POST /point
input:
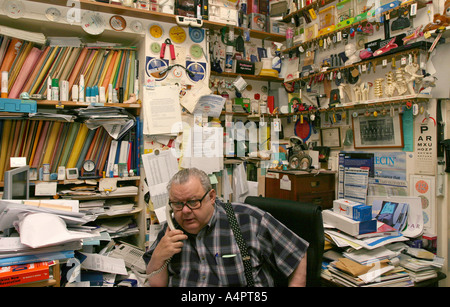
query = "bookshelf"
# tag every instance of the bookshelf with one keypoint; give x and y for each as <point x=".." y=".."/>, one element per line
<point x="69" y="63"/>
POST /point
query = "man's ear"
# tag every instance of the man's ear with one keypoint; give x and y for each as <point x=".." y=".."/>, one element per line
<point x="212" y="195"/>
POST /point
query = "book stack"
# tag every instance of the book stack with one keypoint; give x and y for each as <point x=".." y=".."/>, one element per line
<point x="20" y="274"/>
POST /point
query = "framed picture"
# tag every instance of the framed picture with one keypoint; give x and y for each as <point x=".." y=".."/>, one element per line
<point x="324" y="153"/>
<point x="331" y="137"/>
<point x="378" y="132"/>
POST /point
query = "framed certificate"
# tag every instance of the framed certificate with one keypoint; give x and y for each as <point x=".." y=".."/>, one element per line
<point x="331" y="137"/>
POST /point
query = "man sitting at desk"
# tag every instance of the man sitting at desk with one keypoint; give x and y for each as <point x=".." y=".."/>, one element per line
<point x="203" y="250"/>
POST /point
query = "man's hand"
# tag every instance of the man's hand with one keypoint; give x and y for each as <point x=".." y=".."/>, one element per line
<point x="170" y="244"/>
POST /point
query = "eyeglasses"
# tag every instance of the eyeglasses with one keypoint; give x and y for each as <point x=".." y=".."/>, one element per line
<point x="192" y="204"/>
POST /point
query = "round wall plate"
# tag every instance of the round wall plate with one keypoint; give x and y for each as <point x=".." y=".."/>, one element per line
<point x="197" y="35"/>
<point x="156" y="31"/>
<point x="14" y="9"/>
<point x="154" y="66"/>
<point x="53" y="14"/>
<point x="177" y="34"/>
<point x="198" y="69"/>
<point x="155" y="47"/>
<point x="196" y="51"/>
<point x="118" y="23"/>
<point x="136" y="26"/>
<point x="93" y="23"/>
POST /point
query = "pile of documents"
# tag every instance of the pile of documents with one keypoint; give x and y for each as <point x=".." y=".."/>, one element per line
<point x="374" y="250"/>
<point x="117" y="121"/>
<point x="47" y="230"/>
<point x="45" y="234"/>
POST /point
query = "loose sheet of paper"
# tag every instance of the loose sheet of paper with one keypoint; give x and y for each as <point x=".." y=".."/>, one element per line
<point x="162" y="110"/>
<point x="159" y="167"/>
<point x="106" y="264"/>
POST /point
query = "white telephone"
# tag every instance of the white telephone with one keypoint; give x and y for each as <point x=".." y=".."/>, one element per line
<point x="169" y="217"/>
<point x="131" y="255"/>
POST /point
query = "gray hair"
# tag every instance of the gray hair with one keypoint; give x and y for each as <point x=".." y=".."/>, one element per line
<point x="184" y="175"/>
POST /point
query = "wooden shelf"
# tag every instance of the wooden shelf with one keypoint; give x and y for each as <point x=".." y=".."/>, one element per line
<point x="155" y="16"/>
<point x="353" y="25"/>
<point x="250" y="77"/>
<point x="322" y="3"/>
<point x="72" y="104"/>
<point x="414" y="48"/>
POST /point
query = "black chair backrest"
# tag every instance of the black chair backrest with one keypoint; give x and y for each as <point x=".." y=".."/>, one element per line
<point x="304" y="219"/>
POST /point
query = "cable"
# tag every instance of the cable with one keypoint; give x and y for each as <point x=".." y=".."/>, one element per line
<point x="190" y="73"/>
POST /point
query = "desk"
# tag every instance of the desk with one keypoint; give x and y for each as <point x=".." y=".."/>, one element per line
<point x="317" y="187"/>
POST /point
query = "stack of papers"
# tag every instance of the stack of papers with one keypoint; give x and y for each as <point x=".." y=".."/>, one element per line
<point x="43" y="231"/>
<point x="116" y="121"/>
<point x="397" y="222"/>
<point x="119" y="227"/>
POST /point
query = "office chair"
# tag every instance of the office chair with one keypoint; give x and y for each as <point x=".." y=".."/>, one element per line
<point x="304" y="219"/>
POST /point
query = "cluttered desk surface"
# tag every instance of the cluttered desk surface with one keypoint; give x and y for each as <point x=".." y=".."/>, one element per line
<point x="378" y="245"/>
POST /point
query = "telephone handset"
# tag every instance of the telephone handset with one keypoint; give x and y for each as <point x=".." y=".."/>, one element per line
<point x="169" y="217"/>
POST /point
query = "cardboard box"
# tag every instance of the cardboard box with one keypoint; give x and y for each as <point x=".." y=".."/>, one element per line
<point x="351" y="209"/>
<point x="23" y="273"/>
<point x="347" y="225"/>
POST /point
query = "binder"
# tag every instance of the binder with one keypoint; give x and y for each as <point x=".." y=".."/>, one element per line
<point x="77" y="146"/>
<point x="59" y="139"/>
<point x="25" y="71"/>
<point x="7" y="125"/>
<point x="113" y="64"/>
<point x="40" y="145"/>
<point x="86" y="144"/>
<point x="36" y="70"/>
<point x="22" y="136"/>
<point x="16" y="132"/>
<point x="68" y="146"/>
<point x="70" y="64"/>
<point x="17" y="65"/>
<point x="111" y="158"/>
<point x="35" y="88"/>
<point x="51" y="143"/>
<point x="103" y="154"/>
<point x="30" y="139"/>
<point x="74" y="75"/>
<point x="40" y="157"/>
<point x="61" y="144"/>
<point x="36" y="141"/>
<point x="11" y="54"/>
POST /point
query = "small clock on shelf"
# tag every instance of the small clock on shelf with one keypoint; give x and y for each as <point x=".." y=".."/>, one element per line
<point x="89" y="169"/>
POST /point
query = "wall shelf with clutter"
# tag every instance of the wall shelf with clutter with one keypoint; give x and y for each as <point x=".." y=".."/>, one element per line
<point x="390" y="57"/>
<point x="250" y="77"/>
<point x="362" y="23"/>
<point x="157" y="16"/>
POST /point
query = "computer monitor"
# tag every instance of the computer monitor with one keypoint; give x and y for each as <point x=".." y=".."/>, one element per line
<point x="17" y="183"/>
